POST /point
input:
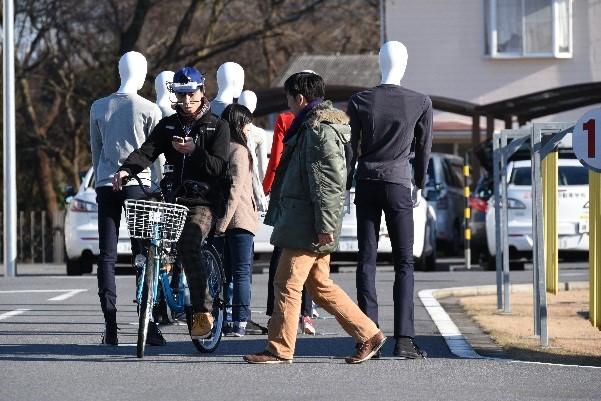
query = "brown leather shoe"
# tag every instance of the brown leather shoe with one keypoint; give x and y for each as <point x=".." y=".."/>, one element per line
<point x="265" y="357"/>
<point x="368" y="349"/>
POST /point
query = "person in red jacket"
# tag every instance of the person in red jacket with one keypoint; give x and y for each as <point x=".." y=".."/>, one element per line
<point x="282" y="123"/>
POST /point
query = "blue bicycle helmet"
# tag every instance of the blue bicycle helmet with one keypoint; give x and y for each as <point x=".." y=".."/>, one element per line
<point x="186" y="80"/>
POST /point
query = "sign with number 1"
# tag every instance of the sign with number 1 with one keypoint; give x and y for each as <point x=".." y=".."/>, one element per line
<point x="586" y="140"/>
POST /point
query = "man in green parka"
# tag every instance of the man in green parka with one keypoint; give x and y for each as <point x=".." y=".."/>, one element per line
<point x="306" y="210"/>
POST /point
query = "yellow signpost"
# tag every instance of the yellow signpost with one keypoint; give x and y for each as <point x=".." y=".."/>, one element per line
<point x="549" y="174"/>
<point x="586" y="141"/>
<point x="595" y="248"/>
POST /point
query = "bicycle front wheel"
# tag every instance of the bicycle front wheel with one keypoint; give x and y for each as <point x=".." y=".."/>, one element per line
<point x="146" y="301"/>
<point x="216" y="291"/>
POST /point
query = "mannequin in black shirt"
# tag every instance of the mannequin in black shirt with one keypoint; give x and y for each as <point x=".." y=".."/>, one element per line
<point x="389" y="122"/>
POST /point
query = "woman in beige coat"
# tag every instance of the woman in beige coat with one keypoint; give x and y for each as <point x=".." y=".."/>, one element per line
<point x="240" y="222"/>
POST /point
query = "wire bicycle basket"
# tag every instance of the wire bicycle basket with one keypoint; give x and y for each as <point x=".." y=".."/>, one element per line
<point x="143" y="216"/>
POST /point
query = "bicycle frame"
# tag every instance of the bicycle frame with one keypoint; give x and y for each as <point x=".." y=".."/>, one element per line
<point x="160" y="223"/>
<point x="176" y="304"/>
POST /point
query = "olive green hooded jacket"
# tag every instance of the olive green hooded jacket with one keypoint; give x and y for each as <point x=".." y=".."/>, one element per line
<point x="307" y="195"/>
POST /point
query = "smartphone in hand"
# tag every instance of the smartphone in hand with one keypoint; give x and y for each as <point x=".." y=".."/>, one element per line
<point x="178" y="139"/>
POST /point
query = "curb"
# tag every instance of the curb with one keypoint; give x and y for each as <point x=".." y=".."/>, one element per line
<point x="457" y="343"/>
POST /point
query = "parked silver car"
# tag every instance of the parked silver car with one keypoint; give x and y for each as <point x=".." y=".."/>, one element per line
<point x="444" y="191"/>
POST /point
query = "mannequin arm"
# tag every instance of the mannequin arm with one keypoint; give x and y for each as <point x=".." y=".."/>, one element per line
<point x="416" y="195"/>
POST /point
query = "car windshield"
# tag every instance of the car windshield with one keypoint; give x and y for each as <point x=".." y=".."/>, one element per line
<point x="567" y="175"/>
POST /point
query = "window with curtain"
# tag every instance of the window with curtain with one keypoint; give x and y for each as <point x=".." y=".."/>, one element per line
<point x="528" y="28"/>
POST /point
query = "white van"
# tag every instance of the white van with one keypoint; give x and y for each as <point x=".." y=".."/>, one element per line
<point x="573" y="207"/>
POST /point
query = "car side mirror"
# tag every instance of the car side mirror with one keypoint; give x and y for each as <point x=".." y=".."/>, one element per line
<point x="435" y="192"/>
<point x="69" y="192"/>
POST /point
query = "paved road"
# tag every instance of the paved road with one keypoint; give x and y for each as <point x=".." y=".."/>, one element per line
<point x="50" y="329"/>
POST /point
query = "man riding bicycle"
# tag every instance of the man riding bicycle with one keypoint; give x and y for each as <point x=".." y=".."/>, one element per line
<point x="196" y="143"/>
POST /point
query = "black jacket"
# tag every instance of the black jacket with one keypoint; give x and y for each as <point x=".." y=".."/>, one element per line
<point x="388" y="124"/>
<point x="206" y="164"/>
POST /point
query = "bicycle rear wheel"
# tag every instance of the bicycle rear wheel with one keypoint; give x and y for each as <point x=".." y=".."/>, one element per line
<point x="216" y="290"/>
<point x="146" y="302"/>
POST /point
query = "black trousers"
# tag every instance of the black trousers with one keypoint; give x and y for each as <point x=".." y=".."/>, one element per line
<point x="110" y="207"/>
<point x="371" y="198"/>
<point x="306" y="301"/>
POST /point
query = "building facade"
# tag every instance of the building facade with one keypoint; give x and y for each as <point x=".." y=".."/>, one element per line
<point x="485" y="51"/>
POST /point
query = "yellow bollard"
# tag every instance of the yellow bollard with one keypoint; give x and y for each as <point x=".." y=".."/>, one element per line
<point x="595" y="248"/>
<point x="549" y="175"/>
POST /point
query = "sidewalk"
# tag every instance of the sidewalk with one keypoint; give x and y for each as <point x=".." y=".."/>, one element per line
<point x="37" y="269"/>
<point x="572" y="338"/>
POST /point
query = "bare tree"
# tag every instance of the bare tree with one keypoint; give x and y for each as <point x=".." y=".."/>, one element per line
<point x="68" y="51"/>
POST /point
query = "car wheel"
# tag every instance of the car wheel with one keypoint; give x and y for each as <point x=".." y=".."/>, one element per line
<point x="452" y="247"/>
<point x="74" y="267"/>
<point x="427" y="262"/>
<point x="517" y="265"/>
<point x="420" y="263"/>
<point x="487" y="261"/>
<point x="431" y="259"/>
<point x="87" y="266"/>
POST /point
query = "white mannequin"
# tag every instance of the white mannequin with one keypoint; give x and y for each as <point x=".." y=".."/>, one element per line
<point x="165" y="103"/>
<point x="257" y="143"/>
<point x="119" y="124"/>
<point x="164" y="100"/>
<point x="258" y="135"/>
<point x="249" y="99"/>
<point x="230" y="80"/>
<point x="132" y="70"/>
<point x="393" y="62"/>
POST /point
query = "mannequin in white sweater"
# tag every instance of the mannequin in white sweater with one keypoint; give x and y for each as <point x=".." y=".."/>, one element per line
<point x="119" y="123"/>
<point x="257" y="143"/>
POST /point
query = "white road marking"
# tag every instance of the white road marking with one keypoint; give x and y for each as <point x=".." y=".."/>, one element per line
<point x="449" y="331"/>
<point x="13" y="313"/>
<point x="67" y="293"/>
<point x="457" y="342"/>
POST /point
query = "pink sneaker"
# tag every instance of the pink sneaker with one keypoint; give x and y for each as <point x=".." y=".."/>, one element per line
<point x="306" y="325"/>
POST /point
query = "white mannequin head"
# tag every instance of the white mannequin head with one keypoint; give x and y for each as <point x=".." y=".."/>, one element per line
<point x="249" y="99"/>
<point x="132" y="70"/>
<point x="230" y="80"/>
<point x="393" y="62"/>
<point x="160" y="86"/>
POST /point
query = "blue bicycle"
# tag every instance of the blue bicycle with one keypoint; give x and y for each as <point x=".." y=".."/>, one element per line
<point x="160" y="223"/>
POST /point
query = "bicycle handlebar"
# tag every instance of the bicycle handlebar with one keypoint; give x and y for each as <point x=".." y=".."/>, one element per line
<point x="128" y="178"/>
<point x="167" y="194"/>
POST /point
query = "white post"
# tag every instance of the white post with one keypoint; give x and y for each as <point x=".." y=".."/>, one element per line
<point x="10" y="187"/>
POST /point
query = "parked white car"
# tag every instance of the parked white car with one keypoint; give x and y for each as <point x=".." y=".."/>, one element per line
<point x="573" y="207"/>
<point x="424" y="246"/>
<point x="81" y="231"/>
